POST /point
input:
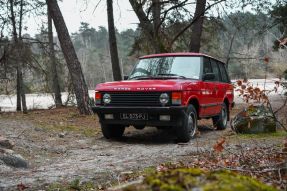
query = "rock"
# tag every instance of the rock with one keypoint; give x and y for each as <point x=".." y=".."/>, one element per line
<point x="127" y="185"/>
<point x="6" y="151"/>
<point x="126" y="172"/>
<point x="38" y="129"/>
<point x="13" y="160"/>
<point x="6" y="143"/>
<point x="4" y="168"/>
<point x="254" y="119"/>
<point x="194" y="180"/>
<point x="2" y="163"/>
<point x="61" y="135"/>
<point x="58" y="150"/>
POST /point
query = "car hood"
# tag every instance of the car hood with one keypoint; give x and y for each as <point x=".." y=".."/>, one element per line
<point x="147" y="85"/>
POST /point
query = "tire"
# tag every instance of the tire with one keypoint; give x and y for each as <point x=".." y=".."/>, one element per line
<point x="112" y="131"/>
<point x="189" y="126"/>
<point x="220" y="121"/>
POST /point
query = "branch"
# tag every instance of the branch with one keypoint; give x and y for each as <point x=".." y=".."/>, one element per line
<point x="282" y="106"/>
<point x="171" y="8"/>
<point x="144" y="20"/>
<point x="275" y="117"/>
<point x="192" y="22"/>
<point x="33" y="40"/>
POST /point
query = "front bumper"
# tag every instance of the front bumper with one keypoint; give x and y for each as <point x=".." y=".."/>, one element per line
<point x="175" y="112"/>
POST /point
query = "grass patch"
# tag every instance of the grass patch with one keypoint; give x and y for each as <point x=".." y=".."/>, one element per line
<point x="75" y="185"/>
<point x="59" y="120"/>
<point x="277" y="134"/>
<point x="86" y="131"/>
<point x="183" y="179"/>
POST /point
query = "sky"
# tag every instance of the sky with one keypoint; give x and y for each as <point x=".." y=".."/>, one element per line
<point x="77" y="11"/>
<point x="93" y="12"/>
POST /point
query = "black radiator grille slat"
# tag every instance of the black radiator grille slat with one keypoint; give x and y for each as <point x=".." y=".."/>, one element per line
<point x="135" y="98"/>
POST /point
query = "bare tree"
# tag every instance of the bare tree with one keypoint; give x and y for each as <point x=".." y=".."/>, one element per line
<point x="197" y="26"/>
<point x="53" y="63"/>
<point x="164" y="22"/>
<point x="150" y="27"/>
<point x="21" y="98"/>
<point x="113" y="43"/>
<point x="74" y="66"/>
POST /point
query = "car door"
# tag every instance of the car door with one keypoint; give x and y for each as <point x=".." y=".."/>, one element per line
<point x="208" y="90"/>
<point x="226" y="88"/>
<point x="217" y="86"/>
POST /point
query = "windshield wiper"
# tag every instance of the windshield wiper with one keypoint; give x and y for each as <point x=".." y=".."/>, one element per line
<point x="172" y="75"/>
<point x="141" y="77"/>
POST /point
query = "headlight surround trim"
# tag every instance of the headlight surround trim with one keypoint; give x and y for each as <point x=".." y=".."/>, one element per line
<point x="164" y="98"/>
<point x="107" y="98"/>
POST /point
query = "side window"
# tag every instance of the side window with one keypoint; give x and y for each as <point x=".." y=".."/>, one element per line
<point x="223" y="72"/>
<point x="206" y="66"/>
<point x="215" y="70"/>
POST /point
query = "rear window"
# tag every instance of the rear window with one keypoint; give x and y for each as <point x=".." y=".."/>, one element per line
<point x="215" y="70"/>
<point x="223" y="72"/>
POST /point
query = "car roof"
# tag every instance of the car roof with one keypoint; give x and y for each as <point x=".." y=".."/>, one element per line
<point x="177" y="54"/>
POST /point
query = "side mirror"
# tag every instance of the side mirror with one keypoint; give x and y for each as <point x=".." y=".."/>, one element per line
<point x="208" y="77"/>
<point x="126" y="77"/>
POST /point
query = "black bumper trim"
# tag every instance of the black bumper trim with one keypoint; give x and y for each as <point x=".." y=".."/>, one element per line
<point x="176" y="113"/>
<point x="164" y="110"/>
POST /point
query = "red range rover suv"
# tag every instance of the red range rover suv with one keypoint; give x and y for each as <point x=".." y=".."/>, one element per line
<point x="171" y="90"/>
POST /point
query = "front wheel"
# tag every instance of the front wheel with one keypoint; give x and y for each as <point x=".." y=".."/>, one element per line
<point x="220" y="121"/>
<point x="189" y="127"/>
<point x="112" y="131"/>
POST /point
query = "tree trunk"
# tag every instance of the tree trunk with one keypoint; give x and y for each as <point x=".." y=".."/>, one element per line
<point x="22" y="90"/>
<point x="194" y="45"/>
<point x="150" y="28"/>
<point x="113" y="43"/>
<point x="18" y="90"/>
<point x="156" y="8"/>
<point x="53" y="65"/>
<point x="21" y="98"/>
<point x="229" y="50"/>
<point x="74" y="66"/>
<point x="15" y="39"/>
<point x="20" y="58"/>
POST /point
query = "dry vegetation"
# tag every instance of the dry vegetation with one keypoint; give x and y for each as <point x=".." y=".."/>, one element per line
<point x="260" y="156"/>
<point x="59" y="120"/>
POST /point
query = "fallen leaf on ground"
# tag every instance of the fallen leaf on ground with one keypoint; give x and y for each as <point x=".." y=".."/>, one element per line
<point x="218" y="147"/>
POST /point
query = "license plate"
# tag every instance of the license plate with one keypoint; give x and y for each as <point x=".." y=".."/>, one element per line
<point x="134" y="116"/>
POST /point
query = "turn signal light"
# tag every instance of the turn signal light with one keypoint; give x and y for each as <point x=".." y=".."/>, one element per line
<point x="176" y="98"/>
<point x="98" y="98"/>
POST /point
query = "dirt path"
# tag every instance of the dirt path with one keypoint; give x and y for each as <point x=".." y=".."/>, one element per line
<point x="53" y="158"/>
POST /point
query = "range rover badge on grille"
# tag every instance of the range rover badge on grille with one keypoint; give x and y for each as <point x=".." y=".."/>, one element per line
<point x="146" y="89"/>
<point x="127" y="89"/>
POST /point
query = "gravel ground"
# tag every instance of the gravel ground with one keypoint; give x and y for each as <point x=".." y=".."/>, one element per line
<point x="55" y="158"/>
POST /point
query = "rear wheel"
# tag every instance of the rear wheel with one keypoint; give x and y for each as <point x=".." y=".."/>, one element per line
<point x="112" y="131"/>
<point x="220" y="121"/>
<point x="189" y="127"/>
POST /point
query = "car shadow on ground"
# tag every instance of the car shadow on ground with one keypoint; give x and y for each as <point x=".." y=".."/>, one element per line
<point x="154" y="136"/>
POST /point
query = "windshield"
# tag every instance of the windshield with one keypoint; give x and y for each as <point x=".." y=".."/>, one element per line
<point x="179" y="67"/>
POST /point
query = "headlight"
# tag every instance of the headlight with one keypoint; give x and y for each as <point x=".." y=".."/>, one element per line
<point x="98" y="98"/>
<point x="107" y="98"/>
<point x="163" y="98"/>
<point x="176" y="98"/>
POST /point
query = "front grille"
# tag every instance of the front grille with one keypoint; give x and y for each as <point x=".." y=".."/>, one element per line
<point x="135" y="98"/>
